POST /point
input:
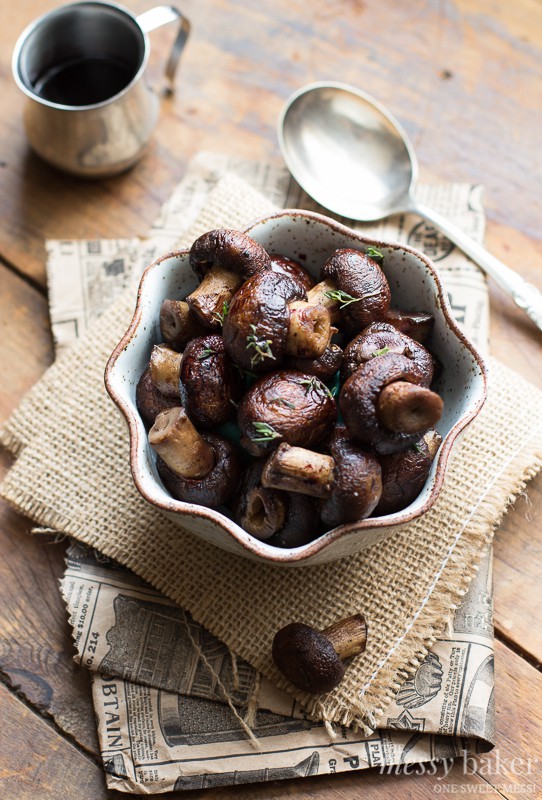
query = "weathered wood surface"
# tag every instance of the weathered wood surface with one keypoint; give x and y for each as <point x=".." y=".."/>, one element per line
<point x="465" y="81"/>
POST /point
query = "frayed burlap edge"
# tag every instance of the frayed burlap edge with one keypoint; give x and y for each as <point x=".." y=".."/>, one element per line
<point x="466" y="552"/>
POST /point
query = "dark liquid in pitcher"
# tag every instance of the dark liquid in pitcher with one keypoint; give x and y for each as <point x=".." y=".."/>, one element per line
<point x="83" y="82"/>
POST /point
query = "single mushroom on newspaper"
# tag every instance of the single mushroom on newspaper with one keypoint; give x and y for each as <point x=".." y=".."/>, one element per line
<point x="313" y="660"/>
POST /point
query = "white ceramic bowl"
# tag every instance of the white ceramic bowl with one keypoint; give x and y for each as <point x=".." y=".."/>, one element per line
<point x="309" y="238"/>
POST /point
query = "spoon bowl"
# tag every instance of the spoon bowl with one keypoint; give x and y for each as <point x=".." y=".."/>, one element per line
<point x="354" y="158"/>
<point x="347" y="152"/>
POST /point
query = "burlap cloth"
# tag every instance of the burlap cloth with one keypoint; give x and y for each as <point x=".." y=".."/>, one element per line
<point x="72" y="475"/>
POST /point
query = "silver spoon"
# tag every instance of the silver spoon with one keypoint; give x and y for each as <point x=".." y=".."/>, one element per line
<point x="353" y="157"/>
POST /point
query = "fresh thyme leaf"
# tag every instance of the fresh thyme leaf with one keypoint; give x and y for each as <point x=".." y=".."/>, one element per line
<point x="417" y="447"/>
<point x="262" y="347"/>
<point x="372" y="252"/>
<point x="220" y="316"/>
<point x="266" y="432"/>
<point x="206" y="353"/>
<point x="283" y="402"/>
<point x="381" y="352"/>
<point x="342" y="297"/>
<point x="315" y="384"/>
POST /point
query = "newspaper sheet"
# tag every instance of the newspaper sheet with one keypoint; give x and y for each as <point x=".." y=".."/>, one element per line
<point x="160" y="680"/>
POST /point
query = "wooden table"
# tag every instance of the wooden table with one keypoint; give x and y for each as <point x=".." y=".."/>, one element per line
<point x="465" y="79"/>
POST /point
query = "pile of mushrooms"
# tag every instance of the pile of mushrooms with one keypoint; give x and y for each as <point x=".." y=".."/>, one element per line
<point x="292" y="407"/>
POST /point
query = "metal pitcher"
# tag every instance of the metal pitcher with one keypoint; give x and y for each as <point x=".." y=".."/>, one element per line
<point x="90" y="109"/>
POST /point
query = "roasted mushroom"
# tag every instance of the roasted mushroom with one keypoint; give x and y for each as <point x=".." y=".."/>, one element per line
<point x="291" y="268"/>
<point x="283" y="519"/>
<point x="222" y="259"/>
<point x="324" y="367"/>
<point x="164" y="368"/>
<point x="353" y="283"/>
<point x="197" y="468"/>
<point x="381" y="338"/>
<point x="417" y="325"/>
<point x="386" y="406"/>
<point x="210" y="385"/>
<point x="285" y="406"/>
<point x="149" y="401"/>
<point x="312" y="660"/>
<point x="178" y="325"/>
<point x="405" y="473"/>
<point x="349" y="480"/>
<point x="270" y="318"/>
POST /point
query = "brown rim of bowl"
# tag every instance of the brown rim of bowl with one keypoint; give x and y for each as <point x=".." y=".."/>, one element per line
<point x="247" y="542"/>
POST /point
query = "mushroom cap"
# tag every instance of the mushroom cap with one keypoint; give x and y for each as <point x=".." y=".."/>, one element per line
<point x="215" y="488"/>
<point x="416" y="324"/>
<point x="292" y="269"/>
<point x="230" y="250"/>
<point x="357" y="482"/>
<point x="358" y="275"/>
<point x="383" y="336"/>
<point x="149" y="401"/>
<point x="324" y="367"/>
<point x="307" y="658"/>
<point x="302" y="524"/>
<point x="257" y="321"/>
<point x="209" y="383"/>
<point x="282" y="519"/>
<point x="297" y="408"/>
<point x="359" y="397"/>
<point x="403" y="477"/>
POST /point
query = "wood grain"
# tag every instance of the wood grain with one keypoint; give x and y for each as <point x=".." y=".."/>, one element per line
<point x="429" y="62"/>
<point x="25" y="339"/>
<point x="464" y="79"/>
<point x="37" y="762"/>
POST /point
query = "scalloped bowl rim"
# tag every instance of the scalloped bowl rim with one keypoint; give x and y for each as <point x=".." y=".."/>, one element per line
<point x="251" y="545"/>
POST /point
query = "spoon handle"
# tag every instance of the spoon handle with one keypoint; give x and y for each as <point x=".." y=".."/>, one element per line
<point x="524" y="294"/>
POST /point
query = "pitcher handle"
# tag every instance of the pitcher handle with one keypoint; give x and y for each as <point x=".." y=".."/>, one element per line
<point x="163" y="15"/>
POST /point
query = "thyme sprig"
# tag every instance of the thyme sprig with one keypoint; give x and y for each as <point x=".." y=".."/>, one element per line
<point x="283" y="402"/>
<point x="342" y="297"/>
<point x="381" y="352"/>
<point x="262" y="347"/>
<point x="266" y="432"/>
<point x="316" y="385"/>
<point x="220" y="316"/>
<point x="206" y="353"/>
<point x="375" y="254"/>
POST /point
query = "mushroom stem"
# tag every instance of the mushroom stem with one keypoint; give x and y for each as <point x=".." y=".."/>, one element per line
<point x="296" y="469"/>
<point x="165" y="368"/>
<point x="405" y="407"/>
<point x="265" y="513"/>
<point x="178" y="324"/>
<point x="309" y="330"/>
<point x="180" y="445"/>
<point x="348" y="636"/>
<point x="433" y="440"/>
<point x="317" y="296"/>
<point x="217" y="288"/>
